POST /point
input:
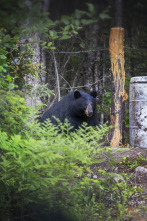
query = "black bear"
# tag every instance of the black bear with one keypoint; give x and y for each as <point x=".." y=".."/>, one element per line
<point x="77" y="107"/>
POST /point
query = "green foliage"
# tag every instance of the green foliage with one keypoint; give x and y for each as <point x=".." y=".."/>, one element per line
<point x="45" y="169"/>
<point x="107" y="98"/>
<point x="104" y="15"/>
<point x="13" y="112"/>
<point x="15" y="62"/>
<point x="68" y="26"/>
<point x="3" y="53"/>
<point x="104" y="107"/>
<point x="16" y="58"/>
<point x="133" y="163"/>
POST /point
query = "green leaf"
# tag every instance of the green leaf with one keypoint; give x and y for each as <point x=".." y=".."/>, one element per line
<point x="1" y="68"/>
<point x="67" y="27"/>
<point x="43" y="44"/>
<point x="104" y="16"/>
<point x="7" y="38"/>
<point x="77" y="22"/>
<point x="65" y="19"/>
<point x="53" y="48"/>
<point x="11" y="86"/>
<point x="9" y="78"/>
<point x="65" y="37"/>
<point x="82" y="45"/>
<point x="78" y="14"/>
<point x="3" y="57"/>
<point x="90" y="8"/>
<point x="4" y="70"/>
<point x="74" y="32"/>
<point x="49" y="44"/>
<point x="88" y="21"/>
<point x="53" y="34"/>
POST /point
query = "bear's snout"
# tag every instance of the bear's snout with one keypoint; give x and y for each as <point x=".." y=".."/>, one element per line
<point x="89" y="110"/>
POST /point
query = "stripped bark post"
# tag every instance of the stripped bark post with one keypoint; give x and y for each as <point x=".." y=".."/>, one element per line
<point x="119" y="95"/>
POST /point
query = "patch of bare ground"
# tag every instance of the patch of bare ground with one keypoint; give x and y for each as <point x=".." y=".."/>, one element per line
<point x="133" y="163"/>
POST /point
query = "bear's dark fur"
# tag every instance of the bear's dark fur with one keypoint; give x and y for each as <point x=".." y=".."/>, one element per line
<point x="77" y="107"/>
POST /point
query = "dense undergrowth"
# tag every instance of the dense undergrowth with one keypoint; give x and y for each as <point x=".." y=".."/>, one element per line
<point x="45" y="171"/>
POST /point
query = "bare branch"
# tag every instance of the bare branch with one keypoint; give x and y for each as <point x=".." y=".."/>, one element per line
<point x="87" y="85"/>
<point x="78" y="52"/>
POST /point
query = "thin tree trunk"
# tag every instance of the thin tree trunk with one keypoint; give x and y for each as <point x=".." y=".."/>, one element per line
<point x="103" y="83"/>
<point x="57" y="76"/>
<point x="91" y="57"/>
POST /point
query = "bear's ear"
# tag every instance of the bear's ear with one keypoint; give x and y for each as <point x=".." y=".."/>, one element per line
<point x="77" y="94"/>
<point x="93" y="94"/>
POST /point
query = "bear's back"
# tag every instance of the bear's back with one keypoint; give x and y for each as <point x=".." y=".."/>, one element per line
<point x="59" y="109"/>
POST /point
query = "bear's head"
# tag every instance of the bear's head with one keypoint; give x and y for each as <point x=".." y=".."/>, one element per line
<point x="84" y="104"/>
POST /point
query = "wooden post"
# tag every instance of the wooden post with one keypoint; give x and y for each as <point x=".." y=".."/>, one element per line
<point x="119" y="94"/>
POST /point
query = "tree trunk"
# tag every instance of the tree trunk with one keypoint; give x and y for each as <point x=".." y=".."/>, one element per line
<point x="90" y="66"/>
<point x="119" y="95"/>
<point x="39" y="59"/>
<point x="33" y="98"/>
<point x="57" y="76"/>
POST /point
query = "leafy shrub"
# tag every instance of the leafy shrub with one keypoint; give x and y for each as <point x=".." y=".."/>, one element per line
<point x="44" y="173"/>
<point x="13" y="112"/>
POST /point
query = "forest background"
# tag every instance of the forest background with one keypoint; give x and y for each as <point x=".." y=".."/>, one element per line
<point x="62" y="46"/>
<point x="47" y="49"/>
